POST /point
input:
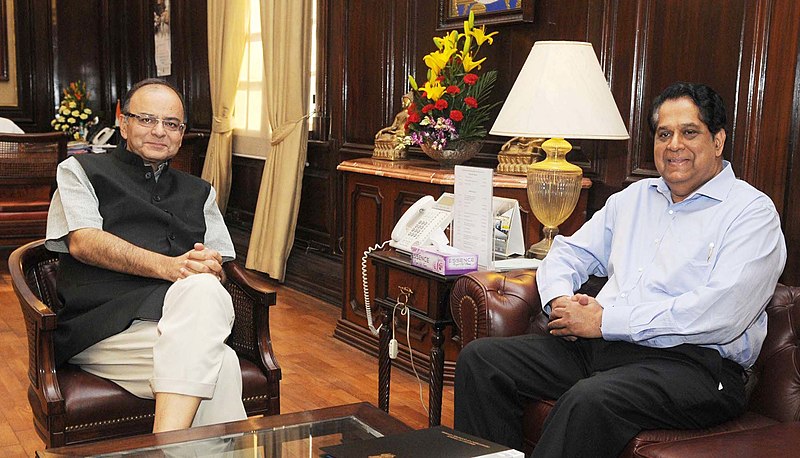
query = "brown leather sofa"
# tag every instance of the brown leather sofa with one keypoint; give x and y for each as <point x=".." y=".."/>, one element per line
<point x="508" y="303"/>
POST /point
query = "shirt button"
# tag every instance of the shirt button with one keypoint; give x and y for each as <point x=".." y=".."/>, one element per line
<point x="640" y="269"/>
<point x="148" y="175"/>
<point x="157" y="198"/>
<point x="671" y="212"/>
<point x="623" y="295"/>
<point x="172" y="236"/>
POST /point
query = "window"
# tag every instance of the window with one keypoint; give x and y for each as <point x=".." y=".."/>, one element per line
<point x="250" y="122"/>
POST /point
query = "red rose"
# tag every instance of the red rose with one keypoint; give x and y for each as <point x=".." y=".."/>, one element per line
<point x="441" y="104"/>
<point x="456" y="115"/>
<point x="427" y="108"/>
<point x="470" y="78"/>
<point x="452" y="90"/>
<point x="414" y="117"/>
<point x="471" y="102"/>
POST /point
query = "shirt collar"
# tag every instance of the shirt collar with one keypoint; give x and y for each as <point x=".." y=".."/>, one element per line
<point x="716" y="188"/>
<point x="122" y="153"/>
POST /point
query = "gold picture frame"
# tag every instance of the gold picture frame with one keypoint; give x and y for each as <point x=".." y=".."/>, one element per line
<point x="453" y="13"/>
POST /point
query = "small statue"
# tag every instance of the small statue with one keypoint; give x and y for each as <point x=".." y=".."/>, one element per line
<point x="521" y="145"/>
<point x="517" y="154"/>
<point x="386" y="140"/>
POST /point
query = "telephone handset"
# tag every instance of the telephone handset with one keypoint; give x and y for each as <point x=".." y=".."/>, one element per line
<point x="103" y="136"/>
<point x="421" y="225"/>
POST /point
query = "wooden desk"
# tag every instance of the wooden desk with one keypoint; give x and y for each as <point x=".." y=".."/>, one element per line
<point x="427" y="295"/>
<point x="376" y="195"/>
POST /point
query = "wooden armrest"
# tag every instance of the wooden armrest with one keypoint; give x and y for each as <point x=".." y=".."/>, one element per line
<point x="40" y="323"/>
<point x="497" y="304"/>
<point x="252" y="296"/>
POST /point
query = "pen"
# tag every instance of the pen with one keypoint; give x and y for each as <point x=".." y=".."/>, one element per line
<point x="710" y="251"/>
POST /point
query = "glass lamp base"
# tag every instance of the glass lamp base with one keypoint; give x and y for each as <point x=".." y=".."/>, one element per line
<point x="540" y="249"/>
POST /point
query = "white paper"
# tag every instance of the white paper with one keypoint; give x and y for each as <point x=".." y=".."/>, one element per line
<point x="473" y="216"/>
<point x="163" y="39"/>
<point x="508" y="210"/>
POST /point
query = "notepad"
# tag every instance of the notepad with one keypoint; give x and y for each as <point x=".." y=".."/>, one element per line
<point x="503" y="265"/>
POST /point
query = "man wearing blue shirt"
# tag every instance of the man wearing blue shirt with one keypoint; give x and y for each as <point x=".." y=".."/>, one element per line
<point x="691" y="258"/>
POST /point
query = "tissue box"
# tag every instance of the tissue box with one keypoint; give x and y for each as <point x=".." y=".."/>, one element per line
<point x="445" y="260"/>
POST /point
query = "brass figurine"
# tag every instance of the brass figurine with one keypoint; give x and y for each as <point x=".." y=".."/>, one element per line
<point x="386" y="140"/>
<point x="517" y="154"/>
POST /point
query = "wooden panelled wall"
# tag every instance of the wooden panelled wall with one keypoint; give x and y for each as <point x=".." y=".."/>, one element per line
<point x="746" y="49"/>
<point x="109" y="45"/>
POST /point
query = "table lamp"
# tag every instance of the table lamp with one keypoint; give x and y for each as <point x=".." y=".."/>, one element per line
<point x="560" y="93"/>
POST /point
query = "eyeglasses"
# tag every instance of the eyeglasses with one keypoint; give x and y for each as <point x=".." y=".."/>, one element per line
<point x="170" y="124"/>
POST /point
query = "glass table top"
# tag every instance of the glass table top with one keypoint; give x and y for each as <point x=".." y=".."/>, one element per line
<point x="300" y="440"/>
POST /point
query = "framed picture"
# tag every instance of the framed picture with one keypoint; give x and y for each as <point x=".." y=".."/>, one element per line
<point x="3" y="42"/>
<point x="453" y="13"/>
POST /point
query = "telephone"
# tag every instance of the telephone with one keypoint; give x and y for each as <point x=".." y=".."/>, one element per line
<point x="421" y="225"/>
<point x="103" y="136"/>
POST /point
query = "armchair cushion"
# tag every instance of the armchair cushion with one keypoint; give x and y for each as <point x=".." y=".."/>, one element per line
<point x="503" y="304"/>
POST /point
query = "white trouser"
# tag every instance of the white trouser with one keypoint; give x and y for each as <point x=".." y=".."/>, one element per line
<point x="184" y="353"/>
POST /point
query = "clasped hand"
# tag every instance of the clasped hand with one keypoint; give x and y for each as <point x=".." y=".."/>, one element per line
<point x="575" y="316"/>
<point x="200" y="260"/>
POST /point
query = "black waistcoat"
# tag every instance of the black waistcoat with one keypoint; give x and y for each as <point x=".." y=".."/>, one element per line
<point x="164" y="216"/>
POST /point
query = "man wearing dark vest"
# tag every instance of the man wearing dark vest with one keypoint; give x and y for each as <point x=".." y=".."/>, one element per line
<point x="141" y="248"/>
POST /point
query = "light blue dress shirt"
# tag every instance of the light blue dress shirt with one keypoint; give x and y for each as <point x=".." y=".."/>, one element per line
<point x="700" y="271"/>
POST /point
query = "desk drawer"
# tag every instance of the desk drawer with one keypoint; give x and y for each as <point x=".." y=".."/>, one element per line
<point x="421" y="288"/>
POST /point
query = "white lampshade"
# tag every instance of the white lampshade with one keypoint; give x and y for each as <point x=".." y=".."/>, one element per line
<point x="561" y="92"/>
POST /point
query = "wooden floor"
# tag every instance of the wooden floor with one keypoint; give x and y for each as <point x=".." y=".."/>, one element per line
<point x="318" y="370"/>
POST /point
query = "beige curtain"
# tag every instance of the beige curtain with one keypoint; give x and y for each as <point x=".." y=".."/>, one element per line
<point x="227" y="34"/>
<point x="286" y="33"/>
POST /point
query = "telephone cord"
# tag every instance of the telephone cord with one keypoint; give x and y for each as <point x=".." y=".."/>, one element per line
<point x="365" y="283"/>
<point x="405" y="312"/>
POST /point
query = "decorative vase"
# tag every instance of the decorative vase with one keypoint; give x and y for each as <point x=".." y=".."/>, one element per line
<point x="455" y="153"/>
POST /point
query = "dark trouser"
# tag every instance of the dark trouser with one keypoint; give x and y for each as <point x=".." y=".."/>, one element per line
<point x="607" y="391"/>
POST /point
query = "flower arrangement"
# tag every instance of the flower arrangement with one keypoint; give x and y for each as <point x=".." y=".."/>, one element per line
<point x="74" y="115"/>
<point x="453" y="104"/>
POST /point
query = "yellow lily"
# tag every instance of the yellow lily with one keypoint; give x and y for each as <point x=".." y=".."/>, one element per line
<point x="468" y="63"/>
<point x="481" y="36"/>
<point x="413" y="82"/>
<point x="433" y="89"/>
<point x="448" y="41"/>
<point x="437" y="60"/>
<point x="469" y="24"/>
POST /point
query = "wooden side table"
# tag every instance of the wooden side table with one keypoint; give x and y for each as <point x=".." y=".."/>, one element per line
<point x="427" y="295"/>
<point x="376" y="194"/>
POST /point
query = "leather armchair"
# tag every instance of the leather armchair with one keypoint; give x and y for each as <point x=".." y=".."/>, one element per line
<point x="72" y="406"/>
<point x="508" y="303"/>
